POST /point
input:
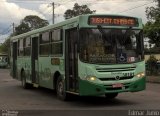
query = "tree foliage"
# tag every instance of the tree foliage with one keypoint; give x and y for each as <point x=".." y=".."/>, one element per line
<point x="29" y="23"/>
<point x="22" y="28"/>
<point x="152" y="27"/>
<point x="5" y="47"/>
<point x="78" y="10"/>
<point x="152" y="67"/>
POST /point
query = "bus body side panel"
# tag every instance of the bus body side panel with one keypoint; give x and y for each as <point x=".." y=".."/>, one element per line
<point x="45" y="77"/>
<point x="24" y="64"/>
<point x="51" y="64"/>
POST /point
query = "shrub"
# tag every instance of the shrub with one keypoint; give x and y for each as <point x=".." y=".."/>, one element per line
<point x="152" y="67"/>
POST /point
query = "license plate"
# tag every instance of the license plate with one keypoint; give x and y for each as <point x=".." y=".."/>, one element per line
<point x="117" y="85"/>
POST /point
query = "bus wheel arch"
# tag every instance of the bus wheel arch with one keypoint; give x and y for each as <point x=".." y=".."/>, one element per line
<point x="55" y="78"/>
<point x="59" y="86"/>
<point x="60" y="89"/>
<point x="25" y="85"/>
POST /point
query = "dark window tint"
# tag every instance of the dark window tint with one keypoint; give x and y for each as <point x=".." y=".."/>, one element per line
<point x="45" y="49"/>
<point x="57" y="48"/>
<point x="27" y="51"/>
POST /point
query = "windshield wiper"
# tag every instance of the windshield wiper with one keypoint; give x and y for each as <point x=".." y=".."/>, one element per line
<point x="99" y="27"/>
<point x="128" y="30"/>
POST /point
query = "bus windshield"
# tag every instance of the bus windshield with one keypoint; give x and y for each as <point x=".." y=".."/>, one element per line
<point x="111" y="46"/>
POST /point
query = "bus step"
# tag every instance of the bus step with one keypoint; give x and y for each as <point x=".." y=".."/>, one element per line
<point x="35" y="85"/>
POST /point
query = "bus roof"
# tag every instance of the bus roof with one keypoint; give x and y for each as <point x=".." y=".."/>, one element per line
<point x="63" y="23"/>
<point x="49" y="27"/>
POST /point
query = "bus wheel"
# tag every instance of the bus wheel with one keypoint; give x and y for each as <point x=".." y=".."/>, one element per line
<point x="60" y="89"/>
<point x="111" y="95"/>
<point x="23" y="81"/>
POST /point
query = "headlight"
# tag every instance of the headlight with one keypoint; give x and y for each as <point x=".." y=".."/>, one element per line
<point x="91" y="78"/>
<point x="141" y="74"/>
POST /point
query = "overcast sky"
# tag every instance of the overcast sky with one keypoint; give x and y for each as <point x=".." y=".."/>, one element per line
<point x="15" y="10"/>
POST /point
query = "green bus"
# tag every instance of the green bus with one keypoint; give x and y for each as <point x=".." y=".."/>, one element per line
<point x="3" y="60"/>
<point x="88" y="55"/>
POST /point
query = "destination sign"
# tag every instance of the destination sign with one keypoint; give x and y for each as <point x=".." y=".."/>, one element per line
<point x="113" y="21"/>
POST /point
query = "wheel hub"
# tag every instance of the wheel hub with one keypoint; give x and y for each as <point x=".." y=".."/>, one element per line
<point x="60" y="89"/>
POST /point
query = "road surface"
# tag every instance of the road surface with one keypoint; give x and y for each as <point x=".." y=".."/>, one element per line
<point x="14" y="97"/>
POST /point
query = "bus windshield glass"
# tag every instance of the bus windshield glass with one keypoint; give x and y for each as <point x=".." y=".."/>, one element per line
<point x="111" y="46"/>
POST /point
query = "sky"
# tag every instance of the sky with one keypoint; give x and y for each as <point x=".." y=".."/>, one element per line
<point x="13" y="11"/>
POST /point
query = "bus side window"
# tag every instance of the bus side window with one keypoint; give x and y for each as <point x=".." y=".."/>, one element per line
<point x="44" y="44"/>
<point x="27" y="46"/>
<point x="20" y="48"/>
<point x="56" y="42"/>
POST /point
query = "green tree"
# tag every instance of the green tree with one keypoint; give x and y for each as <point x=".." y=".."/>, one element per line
<point x="152" y="68"/>
<point x="78" y="10"/>
<point x="152" y="27"/>
<point x="22" y="28"/>
<point x="29" y="23"/>
<point x="5" y="47"/>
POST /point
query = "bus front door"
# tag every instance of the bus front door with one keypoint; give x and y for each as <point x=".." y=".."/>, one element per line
<point x="14" y="64"/>
<point x="34" y="60"/>
<point x="71" y="61"/>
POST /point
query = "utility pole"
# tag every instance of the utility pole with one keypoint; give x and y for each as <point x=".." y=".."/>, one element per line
<point x="53" y="13"/>
<point x="13" y="27"/>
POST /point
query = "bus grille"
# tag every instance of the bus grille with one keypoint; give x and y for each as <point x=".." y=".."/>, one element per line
<point x="112" y="79"/>
<point x="115" y="69"/>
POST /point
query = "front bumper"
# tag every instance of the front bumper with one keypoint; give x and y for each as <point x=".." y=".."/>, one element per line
<point x="87" y="88"/>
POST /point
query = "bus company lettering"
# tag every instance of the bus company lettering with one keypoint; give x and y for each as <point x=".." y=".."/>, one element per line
<point x="128" y="74"/>
<point x="123" y="74"/>
<point x="102" y="58"/>
<point x="112" y="21"/>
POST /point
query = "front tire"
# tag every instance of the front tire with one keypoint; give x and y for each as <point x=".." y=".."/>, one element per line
<point x="60" y="89"/>
<point x="111" y="95"/>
